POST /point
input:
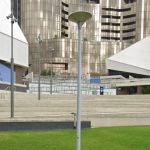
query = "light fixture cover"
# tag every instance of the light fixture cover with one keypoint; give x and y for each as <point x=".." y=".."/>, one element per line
<point x="80" y="16"/>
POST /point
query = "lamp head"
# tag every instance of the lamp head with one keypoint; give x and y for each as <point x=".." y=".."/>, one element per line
<point x="80" y="16"/>
<point x="13" y="18"/>
<point x="9" y="16"/>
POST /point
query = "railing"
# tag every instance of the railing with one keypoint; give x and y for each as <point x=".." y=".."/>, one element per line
<point x="68" y="85"/>
<point x="2" y="96"/>
<point x="5" y="92"/>
<point x="65" y="85"/>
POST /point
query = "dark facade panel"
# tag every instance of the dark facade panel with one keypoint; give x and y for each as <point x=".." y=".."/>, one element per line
<point x="129" y="1"/>
<point x="64" y="19"/>
<point x="64" y="34"/>
<point x="117" y="10"/>
<point x="129" y="38"/>
<point x="109" y="16"/>
<point x="111" y="38"/>
<point x="110" y="23"/>
<point x="126" y="74"/>
<point x="129" y="30"/>
<point x="17" y="10"/>
<point x="129" y="16"/>
<point x="112" y="31"/>
<point x="93" y="1"/>
<point x="65" y="4"/>
<point x="129" y="23"/>
<point x="64" y="27"/>
<point x="65" y="12"/>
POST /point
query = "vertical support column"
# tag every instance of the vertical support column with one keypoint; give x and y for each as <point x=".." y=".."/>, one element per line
<point x="12" y="64"/>
<point x="39" y="69"/>
<point x="79" y="86"/>
<point x="39" y="82"/>
<point x="51" y="89"/>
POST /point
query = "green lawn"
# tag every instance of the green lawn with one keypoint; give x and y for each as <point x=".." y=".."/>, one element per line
<point x="116" y="138"/>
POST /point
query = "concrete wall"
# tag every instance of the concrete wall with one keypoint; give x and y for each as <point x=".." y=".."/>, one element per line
<point x="8" y="126"/>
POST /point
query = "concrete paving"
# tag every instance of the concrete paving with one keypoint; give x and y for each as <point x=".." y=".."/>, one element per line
<point x="118" y="110"/>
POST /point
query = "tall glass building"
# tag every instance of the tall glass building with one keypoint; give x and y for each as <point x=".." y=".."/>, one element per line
<point x="115" y="25"/>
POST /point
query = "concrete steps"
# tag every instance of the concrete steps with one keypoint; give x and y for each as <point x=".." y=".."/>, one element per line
<point x="94" y="108"/>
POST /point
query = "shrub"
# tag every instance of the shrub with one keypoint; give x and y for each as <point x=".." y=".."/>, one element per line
<point x="46" y="72"/>
<point x="146" y="89"/>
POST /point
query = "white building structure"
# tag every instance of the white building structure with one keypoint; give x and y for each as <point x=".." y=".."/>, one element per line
<point x="134" y="59"/>
<point x="20" y="49"/>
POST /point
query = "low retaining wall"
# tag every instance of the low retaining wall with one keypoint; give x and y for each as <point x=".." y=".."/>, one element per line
<point x="9" y="126"/>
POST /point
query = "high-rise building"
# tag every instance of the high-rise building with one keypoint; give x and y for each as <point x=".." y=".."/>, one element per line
<point x="115" y="25"/>
<point x="17" y="10"/>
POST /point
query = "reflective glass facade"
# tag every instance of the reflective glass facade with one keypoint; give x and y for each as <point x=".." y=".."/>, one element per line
<point x="115" y="24"/>
<point x="40" y="17"/>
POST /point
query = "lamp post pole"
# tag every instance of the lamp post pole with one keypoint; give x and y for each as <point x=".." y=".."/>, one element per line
<point x="51" y="90"/>
<point x="39" y="83"/>
<point x="39" y="69"/>
<point x="80" y="18"/>
<point x="13" y="20"/>
<point x="12" y="64"/>
<point x="79" y="87"/>
<point x="51" y="71"/>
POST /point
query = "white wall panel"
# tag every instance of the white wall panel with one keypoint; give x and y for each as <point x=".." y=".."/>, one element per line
<point x="20" y="42"/>
<point x="5" y="24"/>
<point x="20" y="50"/>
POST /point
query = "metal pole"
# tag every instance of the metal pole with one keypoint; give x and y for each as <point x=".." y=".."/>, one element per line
<point x="17" y="11"/>
<point x="12" y="64"/>
<point x="39" y="83"/>
<point x="78" y="144"/>
<point x="51" y="90"/>
<point x="39" y="70"/>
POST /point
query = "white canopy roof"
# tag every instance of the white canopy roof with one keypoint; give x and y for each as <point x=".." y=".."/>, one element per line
<point x="20" y="48"/>
<point x="134" y="59"/>
<point x="5" y="23"/>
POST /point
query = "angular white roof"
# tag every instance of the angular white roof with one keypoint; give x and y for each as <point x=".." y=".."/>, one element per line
<point x="5" y="25"/>
<point x="20" y="47"/>
<point x="134" y="59"/>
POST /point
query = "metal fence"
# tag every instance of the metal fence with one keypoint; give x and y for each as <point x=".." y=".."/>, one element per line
<point x="64" y="85"/>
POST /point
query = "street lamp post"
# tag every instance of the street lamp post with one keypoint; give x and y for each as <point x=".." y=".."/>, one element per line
<point x="39" y="82"/>
<point x="51" y="72"/>
<point x="13" y="20"/>
<point x="39" y="68"/>
<point x="79" y="17"/>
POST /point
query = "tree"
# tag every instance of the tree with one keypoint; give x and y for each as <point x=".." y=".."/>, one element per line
<point x="47" y="72"/>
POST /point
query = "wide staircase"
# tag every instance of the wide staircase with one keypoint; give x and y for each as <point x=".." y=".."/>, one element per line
<point x="117" y="110"/>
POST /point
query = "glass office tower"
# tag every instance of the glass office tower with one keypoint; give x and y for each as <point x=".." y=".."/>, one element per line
<point x="115" y="25"/>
